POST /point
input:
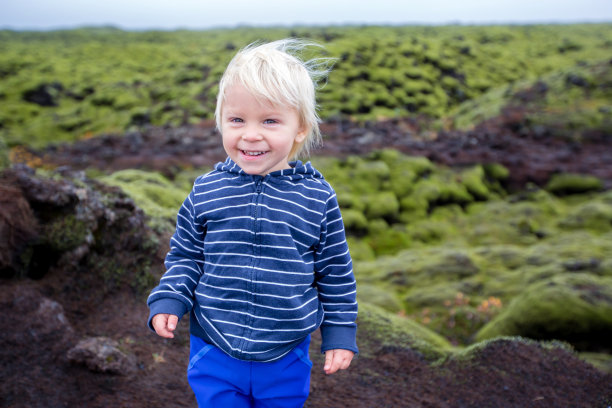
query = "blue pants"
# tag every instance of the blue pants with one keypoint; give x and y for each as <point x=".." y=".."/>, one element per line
<point x="220" y="381"/>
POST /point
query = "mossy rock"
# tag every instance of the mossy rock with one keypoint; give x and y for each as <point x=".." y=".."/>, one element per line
<point x="594" y="215"/>
<point x="360" y="250"/>
<point x="476" y="349"/>
<point x="439" y="191"/>
<point x="348" y="200"/>
<point x="386" y="240"/>
<point x="508" y="256"/>
<point x="572" y="307"/>
<point x="383" y="204"/>
<point x="474" y="181"/>
<point x="496" y="171"/>
<point x="451" y="264"/>
<point x="413" y="208"/>
<point x="354" y="220"/>
<point x="379" y="329"/>
<point x="378" y="296"/>
<point x="433" y="296"/>
<point x="152" y="192"/>
<point x="428" y="231"/>
<point x="564" y="184"/>
<point x="66" y="233"/>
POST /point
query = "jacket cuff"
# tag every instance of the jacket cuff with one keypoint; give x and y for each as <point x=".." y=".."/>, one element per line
<point x="339" y="337"/>
<point x="170" y="306"/>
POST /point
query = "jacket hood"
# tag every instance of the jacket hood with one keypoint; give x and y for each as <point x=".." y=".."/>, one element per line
<point x="297" y="171"/>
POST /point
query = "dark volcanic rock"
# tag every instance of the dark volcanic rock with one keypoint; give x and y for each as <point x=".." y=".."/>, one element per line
<point x="532" y="154"/>
<point x="103" y="355"/>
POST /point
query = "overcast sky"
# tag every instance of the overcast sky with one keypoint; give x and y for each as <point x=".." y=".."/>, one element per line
<point x="198" y="14"/>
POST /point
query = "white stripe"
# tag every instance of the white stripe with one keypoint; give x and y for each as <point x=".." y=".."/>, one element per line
<point x="231" y="230"/>
<point x="255" y="304"/>
<point x="259" y="282"/>
<point x="248" y="243"/>
<point x="257" y="341"/>
<point x="225" y="208"/>
<point x="215" y="181"/>
<point x="260" y="317"/>
<point x="334" y="265"/>
<point x="172" y="291"/>
<point x="329" y="312"/>
<point x="294" y="192"/>
<point x="212" y="200"/>
<point x="259" y="257"/>
<point x="335" y="284"/>
<point x="190" y="234"/>
<point x="267" y="330"/>
<point x="259" y="269"/>
<point x="186" y="249"/>
<point x="339" y="304"/>
<point x="292" y="227"/>
<point x="294" y="203"/>
<point x="290" y="213"/>
<point x="166" y="276"/>
<point x="223" y="288"/>
<point x="335" y="322"/>
<point x="223" y="188"/>
<point x="340" y="295"/>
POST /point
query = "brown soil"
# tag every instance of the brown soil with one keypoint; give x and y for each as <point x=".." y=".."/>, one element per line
<point x="42" y="319"/>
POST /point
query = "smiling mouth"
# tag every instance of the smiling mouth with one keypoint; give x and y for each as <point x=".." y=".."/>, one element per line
<point x="252" y="153"/>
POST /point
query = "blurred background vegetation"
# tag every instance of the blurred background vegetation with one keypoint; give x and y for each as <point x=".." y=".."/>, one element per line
<point x="73" y="84"/>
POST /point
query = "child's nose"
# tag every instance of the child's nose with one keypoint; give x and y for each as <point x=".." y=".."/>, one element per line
<point x="251" y="133"/>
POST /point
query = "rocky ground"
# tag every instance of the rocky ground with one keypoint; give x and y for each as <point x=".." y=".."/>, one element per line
<point x="74" y="330"/>
<point x="532" y="154"/>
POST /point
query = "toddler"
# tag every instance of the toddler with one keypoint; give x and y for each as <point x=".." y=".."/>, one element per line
<point x="259" y="258"/>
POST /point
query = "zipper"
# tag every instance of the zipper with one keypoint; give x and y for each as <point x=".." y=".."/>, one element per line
<point x="256" y="253"/>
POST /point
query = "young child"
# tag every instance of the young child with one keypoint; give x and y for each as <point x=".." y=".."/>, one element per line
<point x="259" y="258"/>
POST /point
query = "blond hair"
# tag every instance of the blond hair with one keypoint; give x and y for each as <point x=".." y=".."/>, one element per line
<point x="275" y="73"/>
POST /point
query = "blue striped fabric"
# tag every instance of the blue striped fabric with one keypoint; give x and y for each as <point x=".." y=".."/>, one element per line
<point x="260" y="262"/>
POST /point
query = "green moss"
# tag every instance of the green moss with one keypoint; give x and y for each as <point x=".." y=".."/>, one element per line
<point x="65" y="233"/>
<point x="381" y="297"/>
<point x="384" y="240"/>
<point x="595" y="215"/>
<point x="153" y="193"/>
<point x="450" y="264"/>
<point x="602" y="361"/>
<point x="383" y="204"/>
<point x="381" y="329"/>
<point x="354" y="220"/>
<point x="496" y="171"/>
<point x="563" y="184"/>
<point x="474" y="181"/>
<point x="360" y="250"/>
<point x="574" y="307"/>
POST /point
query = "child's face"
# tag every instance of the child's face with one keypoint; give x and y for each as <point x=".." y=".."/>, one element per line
<point x="258" y="136"/>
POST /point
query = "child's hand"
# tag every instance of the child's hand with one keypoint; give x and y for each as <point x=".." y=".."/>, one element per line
<point x="337" y="359"/>
<point x="164" y="324"/>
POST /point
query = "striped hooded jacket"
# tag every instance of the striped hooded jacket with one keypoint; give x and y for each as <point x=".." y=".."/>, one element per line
<point x="260" y="262"/>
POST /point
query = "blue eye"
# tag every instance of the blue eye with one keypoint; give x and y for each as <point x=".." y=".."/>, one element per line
<point x="236" y="120"/>
<point x="269" y="121"/>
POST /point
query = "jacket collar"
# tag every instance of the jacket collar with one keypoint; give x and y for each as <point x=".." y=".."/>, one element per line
<point x="297" y="171"/>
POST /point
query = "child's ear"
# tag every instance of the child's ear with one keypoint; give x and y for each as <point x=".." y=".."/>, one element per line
<point x="301" y="135"/>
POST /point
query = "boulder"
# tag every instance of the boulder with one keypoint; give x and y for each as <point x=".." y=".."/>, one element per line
<point x="573" y="307"/>
<point x="103" y="355"/>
